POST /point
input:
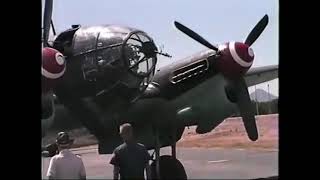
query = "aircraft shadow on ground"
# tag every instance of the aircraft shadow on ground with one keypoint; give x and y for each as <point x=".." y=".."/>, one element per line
<point x="269" y="178"/>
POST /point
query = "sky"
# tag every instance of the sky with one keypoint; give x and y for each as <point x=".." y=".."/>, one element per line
<point x="216" y="21"/>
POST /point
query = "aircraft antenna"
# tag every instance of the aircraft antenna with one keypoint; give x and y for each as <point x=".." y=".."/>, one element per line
<point x="269" y="100"/>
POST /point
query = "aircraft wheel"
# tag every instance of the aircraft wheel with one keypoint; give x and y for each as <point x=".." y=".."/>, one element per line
<point x="170" y="168"/>
<point x="50" y="150"/>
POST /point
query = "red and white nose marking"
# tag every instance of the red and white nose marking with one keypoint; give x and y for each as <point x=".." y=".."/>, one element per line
<point x="235" y="60"/>
<point x="241" y="53"/>
<point x="52" y="69"/>
<point x="53" y="63"/>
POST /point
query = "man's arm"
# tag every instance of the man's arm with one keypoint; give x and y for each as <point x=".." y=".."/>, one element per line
<point x="147" y="166"/>
<point x="52" y="169"/>
<point x="82" y="172"/>
<point x="115" y="161"/>
<point x="148" y="170"/>
<point x="116" y="171"/>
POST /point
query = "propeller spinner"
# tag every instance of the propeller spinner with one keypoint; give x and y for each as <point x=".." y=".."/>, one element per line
<point x="233" y="60"/>
<point x="52" y="69"/>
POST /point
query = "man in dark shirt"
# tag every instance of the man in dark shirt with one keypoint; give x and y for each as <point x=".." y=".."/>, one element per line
<point x="130" y="158"/>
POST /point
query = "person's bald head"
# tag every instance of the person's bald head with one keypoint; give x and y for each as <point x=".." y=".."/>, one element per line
<point x="126" y="132"/>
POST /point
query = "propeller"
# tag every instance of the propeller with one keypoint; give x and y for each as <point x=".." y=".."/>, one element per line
<point x="194" y="35"/>
<point x="238" y="86"/>
<point x="252" y="37"/>
<point x="257" y="30"/>
<point x="46" y="21"/>
<point x="53" y="29"/>
<point x="247" y="111"/>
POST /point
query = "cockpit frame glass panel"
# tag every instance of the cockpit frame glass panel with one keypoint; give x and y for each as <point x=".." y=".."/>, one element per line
<point x="140" y="54"/>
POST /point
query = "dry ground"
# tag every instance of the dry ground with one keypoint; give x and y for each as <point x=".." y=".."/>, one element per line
<point x="231" y="133"/>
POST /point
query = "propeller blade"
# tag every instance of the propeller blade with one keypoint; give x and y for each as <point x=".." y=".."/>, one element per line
<point x="53" y="30"/>
<point x="46" y="21"/>
<point x="194" y="35"/>
<point x="247" y="110"/>
<point x="257" y="30"/>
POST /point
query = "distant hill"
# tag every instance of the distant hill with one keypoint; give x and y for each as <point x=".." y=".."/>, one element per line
<point x="262" y="96"/>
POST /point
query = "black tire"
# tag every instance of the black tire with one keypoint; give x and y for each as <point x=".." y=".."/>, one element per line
<point x="170" y="168"/>
<point x="50" y="149"/>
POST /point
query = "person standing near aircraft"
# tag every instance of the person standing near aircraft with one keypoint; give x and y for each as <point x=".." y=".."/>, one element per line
<point x="65" y="165"/>
<point x="130" y="158"/>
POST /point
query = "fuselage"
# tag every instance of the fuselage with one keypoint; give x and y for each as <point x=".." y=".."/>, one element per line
<point x="106" y="84"/>
<point x="196" y="97"/>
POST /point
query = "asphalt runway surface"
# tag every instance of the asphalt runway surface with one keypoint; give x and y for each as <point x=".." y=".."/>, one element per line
<point x="199" y="163"/>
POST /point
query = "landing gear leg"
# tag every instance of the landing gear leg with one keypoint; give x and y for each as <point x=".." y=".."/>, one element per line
<point x="157" y="149"/>
<point x="166" y="166"/>
<point x="173" y="150"/>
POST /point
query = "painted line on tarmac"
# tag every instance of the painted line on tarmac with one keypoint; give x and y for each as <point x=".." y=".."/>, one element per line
<point x="218" y="161"/>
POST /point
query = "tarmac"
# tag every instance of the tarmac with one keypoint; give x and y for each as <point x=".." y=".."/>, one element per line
<point x="199" y="163"/>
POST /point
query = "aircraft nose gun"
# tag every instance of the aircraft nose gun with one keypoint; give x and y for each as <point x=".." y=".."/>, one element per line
<point x="140" y="54"/>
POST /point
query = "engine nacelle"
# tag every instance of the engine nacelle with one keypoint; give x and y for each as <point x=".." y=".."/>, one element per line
<point x="235" y="59"/>
<point x="52" y="68"/>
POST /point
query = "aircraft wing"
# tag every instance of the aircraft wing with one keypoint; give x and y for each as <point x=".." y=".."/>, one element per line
<point x="261" y="74"/>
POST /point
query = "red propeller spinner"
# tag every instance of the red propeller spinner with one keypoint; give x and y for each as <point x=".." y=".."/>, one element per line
<point x="235" y="59"/>
<point x="52" y="69"/>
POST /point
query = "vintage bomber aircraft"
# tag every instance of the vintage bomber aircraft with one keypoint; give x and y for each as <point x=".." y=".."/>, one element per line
<point x="105" y="76"/>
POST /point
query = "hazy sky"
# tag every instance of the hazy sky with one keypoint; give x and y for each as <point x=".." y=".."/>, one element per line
<point x="216" y="21"/>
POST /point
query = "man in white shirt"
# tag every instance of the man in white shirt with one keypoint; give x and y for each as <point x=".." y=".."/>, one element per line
<point x="65" y="165"/>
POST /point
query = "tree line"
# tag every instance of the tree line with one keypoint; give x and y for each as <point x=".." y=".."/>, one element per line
<point x="270" y="107"/>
